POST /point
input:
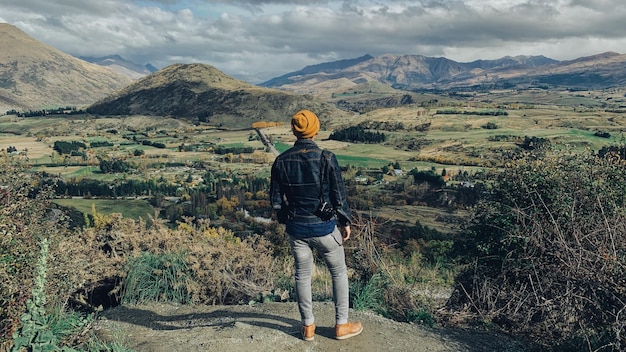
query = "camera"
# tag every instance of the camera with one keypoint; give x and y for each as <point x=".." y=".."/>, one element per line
<point x="283" y="214"/>
<point x="325" y="211"/>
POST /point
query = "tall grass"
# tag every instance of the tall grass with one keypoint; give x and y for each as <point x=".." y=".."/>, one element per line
<point x="369" y="295"/>
<point x="156" y="278"/>
<point x="388" y="283"/>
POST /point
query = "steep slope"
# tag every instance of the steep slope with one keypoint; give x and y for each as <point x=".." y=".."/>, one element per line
<point x="35" y="76"/>
<point x="201" y="92"/>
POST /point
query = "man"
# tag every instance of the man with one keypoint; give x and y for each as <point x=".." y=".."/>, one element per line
<point x="308" y="194"/>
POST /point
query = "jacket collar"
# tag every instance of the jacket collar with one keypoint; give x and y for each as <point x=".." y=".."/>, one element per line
<point x="302" y="142"/>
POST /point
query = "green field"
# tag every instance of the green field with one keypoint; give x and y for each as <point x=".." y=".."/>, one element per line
<point x="426" y="140"/>
<point x="129" y="208"/>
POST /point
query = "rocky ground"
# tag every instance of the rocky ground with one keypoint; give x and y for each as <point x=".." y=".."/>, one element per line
<point x="276" y="327"/>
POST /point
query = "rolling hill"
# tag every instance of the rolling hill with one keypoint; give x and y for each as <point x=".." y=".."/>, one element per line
<point x="201" y="92"/>
<point x="37" y="76"/>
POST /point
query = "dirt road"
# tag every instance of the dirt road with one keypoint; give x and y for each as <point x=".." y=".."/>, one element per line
<point x="276" y="327"/>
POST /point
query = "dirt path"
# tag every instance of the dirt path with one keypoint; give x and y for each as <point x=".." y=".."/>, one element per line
<point x="276" y="327"/>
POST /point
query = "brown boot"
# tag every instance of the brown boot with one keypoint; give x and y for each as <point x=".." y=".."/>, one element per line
<point x="348" y="330"/>
<point x="308" y="332"/>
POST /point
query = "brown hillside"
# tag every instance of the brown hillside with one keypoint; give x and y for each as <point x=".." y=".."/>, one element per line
<point x="34" y="75"/>
<point x="201" y="92"/>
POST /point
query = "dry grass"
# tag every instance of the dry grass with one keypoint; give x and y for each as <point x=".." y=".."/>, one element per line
<point x="224" y="269"/>
<point x="35" y="149"/>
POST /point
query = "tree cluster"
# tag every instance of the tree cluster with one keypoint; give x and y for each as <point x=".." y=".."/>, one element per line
<point x="429" y="176"/>
<point x="96" y="144"/>
<point x="153" y="144"/>
<point x="357" y="134"/>
<point x="65" y="147"/>
<point x="69" y="110"/>
<point x="614" y="151"/>
<point x="490" y="126"/>
<point x="534" y="143"/>
<point x="220" y="149"/>
<point x="127" y="188"/>
<point x="108" y="166"/>
<point x="602" y="134"/>
<point x="383" y="125"/>
<point x="471" y="112"/>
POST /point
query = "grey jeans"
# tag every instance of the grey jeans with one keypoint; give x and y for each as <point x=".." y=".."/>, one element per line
<point x="331" y="249"/>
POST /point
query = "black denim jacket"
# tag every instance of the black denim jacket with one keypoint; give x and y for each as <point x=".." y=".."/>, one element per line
<point x="295" y="183"/>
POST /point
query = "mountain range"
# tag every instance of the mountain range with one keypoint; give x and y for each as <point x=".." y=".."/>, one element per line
<point x="34" y="76"/>
<point x="420" y="73"/>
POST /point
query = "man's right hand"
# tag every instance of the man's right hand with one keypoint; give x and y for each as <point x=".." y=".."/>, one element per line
<point x="345" y="232"/>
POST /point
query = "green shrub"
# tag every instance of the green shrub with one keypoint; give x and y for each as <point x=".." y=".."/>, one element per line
<point x="67" y="325"/>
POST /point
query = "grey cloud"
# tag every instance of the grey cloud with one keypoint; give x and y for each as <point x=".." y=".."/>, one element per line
<point x="263" y="44"/>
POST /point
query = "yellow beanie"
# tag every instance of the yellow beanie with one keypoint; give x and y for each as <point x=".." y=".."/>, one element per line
<point x="305" y="124"/>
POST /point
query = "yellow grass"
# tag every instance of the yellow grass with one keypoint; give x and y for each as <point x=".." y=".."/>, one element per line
<point x="34" y="149"/>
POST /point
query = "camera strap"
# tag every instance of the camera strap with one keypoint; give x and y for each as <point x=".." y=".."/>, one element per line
<point x="322" y="174"/>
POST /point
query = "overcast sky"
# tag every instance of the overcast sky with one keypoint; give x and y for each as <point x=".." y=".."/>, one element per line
<point x="256" y="40"/>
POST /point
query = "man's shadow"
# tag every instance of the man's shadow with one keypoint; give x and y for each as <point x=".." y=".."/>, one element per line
<point x="219" y="319"/>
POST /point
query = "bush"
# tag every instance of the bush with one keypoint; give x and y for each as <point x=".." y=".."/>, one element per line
<point x="602" y="134"/>
<point x="548" y="251"/>
<point x="490" y="126"/>
<point x="25" y="219"/>
<point x="208" y="265"/>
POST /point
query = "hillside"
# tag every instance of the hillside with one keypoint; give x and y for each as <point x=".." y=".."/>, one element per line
<point x="201" y="92"/>
<point x="35" y="76"/>
<point x="419" y="73"/>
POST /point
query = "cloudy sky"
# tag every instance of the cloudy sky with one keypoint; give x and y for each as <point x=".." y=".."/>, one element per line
<point x="256" y="40"/>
